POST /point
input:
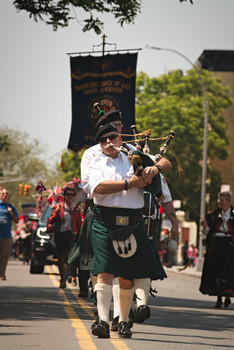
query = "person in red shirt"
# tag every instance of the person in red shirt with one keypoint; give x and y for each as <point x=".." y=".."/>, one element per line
<point x="65" y="224"/>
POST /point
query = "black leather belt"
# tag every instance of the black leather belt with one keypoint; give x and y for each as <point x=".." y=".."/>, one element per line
<point x="118" y="220"/>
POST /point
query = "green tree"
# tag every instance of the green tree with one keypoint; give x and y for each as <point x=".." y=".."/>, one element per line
<point x="21" y="162"/>
<point x="71" y="167"/>
<point x="58" y="13"/>
<point x="4" y="145"/>
<point x="175" y="102"/>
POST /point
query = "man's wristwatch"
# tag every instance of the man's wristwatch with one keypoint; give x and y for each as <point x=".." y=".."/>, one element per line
<point x="159" y="168"/>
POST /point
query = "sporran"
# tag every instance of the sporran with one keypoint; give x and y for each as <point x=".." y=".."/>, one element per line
<point x="123" y="242"/>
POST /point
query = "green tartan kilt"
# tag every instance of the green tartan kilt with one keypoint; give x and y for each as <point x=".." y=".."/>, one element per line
<point x="154" y="247"/>
<point x="143" y="264"/>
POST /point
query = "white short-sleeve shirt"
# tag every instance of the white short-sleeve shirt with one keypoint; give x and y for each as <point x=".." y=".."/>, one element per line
<point x="94" y="153"/>
<point x="103" y="168"/>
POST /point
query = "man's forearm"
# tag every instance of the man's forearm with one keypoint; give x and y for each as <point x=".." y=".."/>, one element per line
<point x="14" y="218"/>
<point x="169" y="210"/>
<point x="108" y="187"/>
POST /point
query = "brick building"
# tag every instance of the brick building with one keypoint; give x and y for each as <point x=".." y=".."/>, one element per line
<point x="221" y="63"/>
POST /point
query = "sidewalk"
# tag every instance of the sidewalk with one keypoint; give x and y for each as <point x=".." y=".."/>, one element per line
<point x="191" y="271"/>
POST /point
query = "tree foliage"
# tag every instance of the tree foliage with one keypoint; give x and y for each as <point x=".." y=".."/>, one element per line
<point x="58" y="13"/>
<point x="4" y="144"/>
<point x="21" y="163"/>
<point x="71" y="166"/>
<point x="175" y="102"/>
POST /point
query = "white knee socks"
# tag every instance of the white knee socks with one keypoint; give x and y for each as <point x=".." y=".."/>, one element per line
<point x="125" y="298"/>
<point x="142" y="289"/>
<point x="104" y="296"/>
<point x="115" y="292"/>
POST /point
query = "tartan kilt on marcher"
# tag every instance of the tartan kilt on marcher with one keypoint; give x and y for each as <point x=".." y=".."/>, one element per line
<point x="154" y="247"/>
<point x="143" y="264"/>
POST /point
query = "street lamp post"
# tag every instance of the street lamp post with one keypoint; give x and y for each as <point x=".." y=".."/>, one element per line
<point x="200" y="259"/>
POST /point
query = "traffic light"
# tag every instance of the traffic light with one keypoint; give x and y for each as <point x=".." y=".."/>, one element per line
<point x="21" y="189"/>
<point x="26" y="189"/>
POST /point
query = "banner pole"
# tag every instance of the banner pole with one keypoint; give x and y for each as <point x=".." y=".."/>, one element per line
<point x="103" y="44"/>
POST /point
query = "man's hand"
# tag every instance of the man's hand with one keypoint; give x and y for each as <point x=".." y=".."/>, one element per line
<point x="174" y="231"/>
<point x="136" y="181"/>
<point x="170" y="213"/>
<point x="149" y="172"/>
<point x="10" y="211"/>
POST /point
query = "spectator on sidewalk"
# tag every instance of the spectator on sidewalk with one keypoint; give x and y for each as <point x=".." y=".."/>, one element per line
<point x="218" y="270"/>
<point x="7" y="214"/>
<point x="192" y="255"/>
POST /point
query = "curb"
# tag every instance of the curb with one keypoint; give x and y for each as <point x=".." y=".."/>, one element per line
<point x="190" y="271"/>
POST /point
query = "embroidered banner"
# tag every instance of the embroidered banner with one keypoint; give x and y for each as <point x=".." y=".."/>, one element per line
<point x="108" y="80"/>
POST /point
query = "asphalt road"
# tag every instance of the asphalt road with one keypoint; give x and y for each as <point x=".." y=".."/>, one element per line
<point x="36" y="314"/>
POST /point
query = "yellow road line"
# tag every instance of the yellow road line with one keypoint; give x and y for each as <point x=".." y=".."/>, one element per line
<point x="83" y="336"/>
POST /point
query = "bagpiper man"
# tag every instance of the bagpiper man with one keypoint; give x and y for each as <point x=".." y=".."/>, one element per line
<point x="118" y="200"/>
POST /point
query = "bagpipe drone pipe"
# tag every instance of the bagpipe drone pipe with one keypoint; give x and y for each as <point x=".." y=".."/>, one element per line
<point x="141" y="159"/>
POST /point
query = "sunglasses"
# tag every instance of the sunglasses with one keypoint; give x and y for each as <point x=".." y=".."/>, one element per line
<point x="110" y="137"/>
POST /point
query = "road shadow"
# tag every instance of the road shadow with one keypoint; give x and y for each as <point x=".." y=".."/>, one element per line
<point x="32" y="303"/>
<point x="189" y="314"/>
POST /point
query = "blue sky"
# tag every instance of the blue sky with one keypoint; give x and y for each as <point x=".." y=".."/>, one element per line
<point x="34" y="71"/>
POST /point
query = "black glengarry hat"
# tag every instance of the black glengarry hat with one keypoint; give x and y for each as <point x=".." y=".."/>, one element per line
<point x="104" y="129"/>
<point x="111" y="116"/>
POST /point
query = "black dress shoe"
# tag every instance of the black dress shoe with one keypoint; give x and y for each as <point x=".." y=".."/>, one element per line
<point x="142" y="313"/>
<point x="95" y="323"/>
<point x="227" y="301"/>
<point x="115" y="324"/>
<point x="123" y="330"/>
<point x="101" y="329"/>
<point x="62" y="285"/>
<point x="83" y="294"/>
<point x="218" y="305"/>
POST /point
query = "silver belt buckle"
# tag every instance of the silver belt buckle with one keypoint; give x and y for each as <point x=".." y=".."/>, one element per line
<point x="122" y="220"/>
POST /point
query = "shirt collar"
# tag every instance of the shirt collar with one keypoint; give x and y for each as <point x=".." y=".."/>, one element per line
<point x="227" y="213"/>
<point x="107" y="158"/>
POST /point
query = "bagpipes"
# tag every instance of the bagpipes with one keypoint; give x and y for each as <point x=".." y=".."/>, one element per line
<point x="146" y="150"/>
<point x="140" y="158"/>
<point x="152" y="192"/>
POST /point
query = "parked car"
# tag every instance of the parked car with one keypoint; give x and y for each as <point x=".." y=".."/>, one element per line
<point x="43" y="246"/>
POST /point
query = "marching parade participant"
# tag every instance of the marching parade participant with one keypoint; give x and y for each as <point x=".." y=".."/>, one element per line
<point x="65" y="224"/>
<point x="142" y="285"/>
<point x="118" y="200"/>
<point x="218" y="270"/>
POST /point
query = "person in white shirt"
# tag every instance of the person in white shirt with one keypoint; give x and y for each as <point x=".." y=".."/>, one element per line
<point x="218" y="270"/>
<point x="118" y="199"/>
<point x="142" y="286"/>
